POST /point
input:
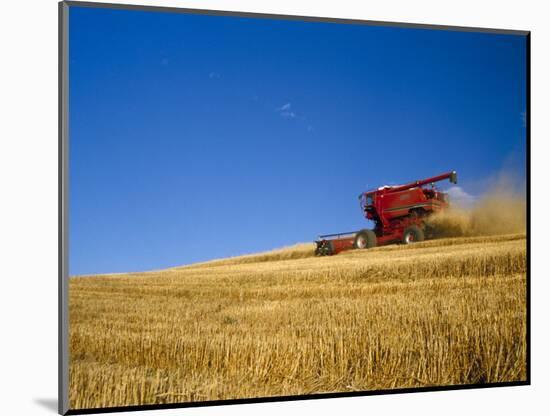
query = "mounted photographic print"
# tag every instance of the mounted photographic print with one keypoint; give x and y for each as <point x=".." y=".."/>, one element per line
<point x="264" y="207"/>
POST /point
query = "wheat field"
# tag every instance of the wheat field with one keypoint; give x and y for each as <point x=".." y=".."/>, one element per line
<point x="441" y="312"/>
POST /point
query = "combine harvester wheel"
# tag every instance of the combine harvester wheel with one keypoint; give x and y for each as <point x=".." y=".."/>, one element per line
<point x="365" y="239"/>
<point x="413" y="234"/>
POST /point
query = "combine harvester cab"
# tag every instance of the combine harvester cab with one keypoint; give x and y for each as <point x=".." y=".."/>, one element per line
<point x="398" y="212"/>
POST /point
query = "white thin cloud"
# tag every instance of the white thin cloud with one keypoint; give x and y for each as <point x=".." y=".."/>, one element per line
<point x="286" y="111"/>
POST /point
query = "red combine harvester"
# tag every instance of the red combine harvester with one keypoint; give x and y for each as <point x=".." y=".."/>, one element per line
<point x="398" y="213"/>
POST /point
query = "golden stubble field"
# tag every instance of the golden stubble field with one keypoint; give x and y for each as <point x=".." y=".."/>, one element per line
<point x="441" y="312"/>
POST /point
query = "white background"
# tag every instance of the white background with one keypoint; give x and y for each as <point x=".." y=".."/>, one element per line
<point x="28" y="204"/>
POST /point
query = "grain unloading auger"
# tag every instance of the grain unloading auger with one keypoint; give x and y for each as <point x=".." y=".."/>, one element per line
<point x="398" y="212"/>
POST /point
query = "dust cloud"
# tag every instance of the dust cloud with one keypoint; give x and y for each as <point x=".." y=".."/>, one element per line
<point x="502" y="210"/>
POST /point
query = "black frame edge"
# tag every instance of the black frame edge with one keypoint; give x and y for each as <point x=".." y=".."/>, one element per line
<point x="63" y="174"/>
<point x="292" y="398"/>
<point x="168" y="9"/>
<point x="528" y="197"/>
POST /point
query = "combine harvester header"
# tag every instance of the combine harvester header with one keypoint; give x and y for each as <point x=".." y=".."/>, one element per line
<point x="398" y="212"/>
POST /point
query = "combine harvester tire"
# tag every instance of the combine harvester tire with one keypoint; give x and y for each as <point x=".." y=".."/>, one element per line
<point x="413" y="234"/>
<point x="365" y="239"/>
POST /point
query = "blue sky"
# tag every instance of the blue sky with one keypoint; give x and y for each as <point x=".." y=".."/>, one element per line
<point x="200" y="137"/>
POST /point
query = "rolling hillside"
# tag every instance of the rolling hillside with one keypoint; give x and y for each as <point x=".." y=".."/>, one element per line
<point x="441" y="312"/>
